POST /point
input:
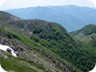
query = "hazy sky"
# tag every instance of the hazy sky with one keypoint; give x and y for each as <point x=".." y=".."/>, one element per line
<point x="11" y="4"/>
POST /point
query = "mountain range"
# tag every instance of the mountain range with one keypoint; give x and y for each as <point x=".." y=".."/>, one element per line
<point x="71" y="17"/>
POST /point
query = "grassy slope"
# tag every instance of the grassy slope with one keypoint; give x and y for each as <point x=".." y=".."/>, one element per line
<point x="16" y="65"/>
<point x="30" y="43"/>
<point x="87" y="37"/>
<point x="51" y="38"/>
<point x="33" y="44"/>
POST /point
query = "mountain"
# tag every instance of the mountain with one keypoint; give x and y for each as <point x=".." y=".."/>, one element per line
<point x="71" y="17"/>
<point x="86" y="36"/>
<point x="5" y="16"/>
<point x="42" y="46"/>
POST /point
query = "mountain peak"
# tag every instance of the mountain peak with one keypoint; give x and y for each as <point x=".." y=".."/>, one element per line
<point x="89" y="29"/>
<point x="7" y="16"/>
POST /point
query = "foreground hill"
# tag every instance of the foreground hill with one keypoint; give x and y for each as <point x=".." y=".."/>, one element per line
<point x="43" y="46"/>
<point x="71" y="17"/>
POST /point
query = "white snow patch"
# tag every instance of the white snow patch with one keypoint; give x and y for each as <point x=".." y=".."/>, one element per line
<point x="5" y="47"/>
<point x="94" y="70"/>
<point x="2" y="70"/>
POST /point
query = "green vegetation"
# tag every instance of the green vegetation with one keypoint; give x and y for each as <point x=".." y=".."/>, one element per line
<point x="52" y="42"/>
<point x="63" y="45"/>
<point x="87" y="37"/>
<point x="16" y="65"/>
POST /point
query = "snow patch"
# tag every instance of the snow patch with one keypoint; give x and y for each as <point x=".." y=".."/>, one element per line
<point x="5" y="47"/>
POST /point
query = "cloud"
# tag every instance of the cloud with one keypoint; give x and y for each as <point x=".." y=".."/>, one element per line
<point x="26" y="3"/>
<point x="87" y="3"/>
<point x="11" y="4"/>
<point x="2" y="1"/>
<point x="93" y="1"/>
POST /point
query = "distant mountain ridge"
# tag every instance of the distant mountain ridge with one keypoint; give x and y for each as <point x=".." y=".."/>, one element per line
<point x="71" y="17"/>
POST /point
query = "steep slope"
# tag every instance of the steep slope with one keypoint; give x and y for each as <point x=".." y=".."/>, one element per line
<point x="87" y="37"/>
<point x="29" y="51"/>
<point x="46" y="44"/>
<point x="71" y="17"/>
<point x="30" y="55"/>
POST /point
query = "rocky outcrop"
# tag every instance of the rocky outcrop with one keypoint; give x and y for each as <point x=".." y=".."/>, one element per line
<point x="61" y="65"/>
<point x="40" y="56"/>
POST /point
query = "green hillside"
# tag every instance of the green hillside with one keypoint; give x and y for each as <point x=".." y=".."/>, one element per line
<point x="86" y="34"/>
<point x="43" y="46"/>
<point x="87" y="37"/>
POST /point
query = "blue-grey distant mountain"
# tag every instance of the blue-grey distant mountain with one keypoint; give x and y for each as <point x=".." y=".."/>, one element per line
<point x="71" y="17"/>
